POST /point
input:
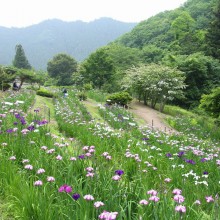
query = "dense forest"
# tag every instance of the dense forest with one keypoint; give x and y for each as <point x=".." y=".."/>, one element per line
<point x="171" y="58"/>
<point x="187" y="38"/>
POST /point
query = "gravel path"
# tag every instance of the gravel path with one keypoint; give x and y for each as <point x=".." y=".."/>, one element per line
<point x="153" y="118"/>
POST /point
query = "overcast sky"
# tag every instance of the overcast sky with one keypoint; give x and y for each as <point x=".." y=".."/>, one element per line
<point x="22" y="13"/>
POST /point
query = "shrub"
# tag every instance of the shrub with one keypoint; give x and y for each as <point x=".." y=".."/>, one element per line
<point x="120" y="98"/>
<point x="87" y="86"/>
<point x="82" y="96"/>
<point x="5" y="86"/>
<point x="45" y="93"/>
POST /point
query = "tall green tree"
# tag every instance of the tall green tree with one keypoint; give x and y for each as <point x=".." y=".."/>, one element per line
<point x="213" y="35"/>
<point x="61" y="68"/>
<point x="98" y="68"/>
<point x="202" y="75"/>
<point x="20" y="61"/>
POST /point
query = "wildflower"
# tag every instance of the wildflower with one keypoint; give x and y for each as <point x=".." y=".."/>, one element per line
<point x="50" y="179"/>
<point x="180" y="208"/>
<point x="143" y="202"/>
<point x="89" y="169"/>
<point x="4" y="144"/>
<point x="40" y="171"/>
<point x="38" y="183"/>
<point x="154" y="198"/>
<point x="88" y="197"/>
<point x="152" y="192"/>
<point x="75" y="196"/>
<point x="59" y="157"/>
<point x="197" y="202"/>
<point x="50" y="151"/>
<point x="98" y="204"/>
<point x="178" y="198"/>
<point x="25" y="161"/>
<point x="168" y="155"/>
<point x="65" y="188"/>
<point x="177" y="191"/>
<point x="82" y="156"/>
<point x="116" y="177"/>
<point x="108" y="157"/>
<point x="44" y="147"/>
<point x="209" y="199"/>
<point x="119" y="172"/>
<point x="167" y="180"/>
<point x="28" y="167"/>
<point x="108" y="215"/>
<point x="203" y="160"/>
<point x="72" y="158"/>
<point x="12" y="158"/>
<point x="181" y="153"/>
<point x="89" y="174"/>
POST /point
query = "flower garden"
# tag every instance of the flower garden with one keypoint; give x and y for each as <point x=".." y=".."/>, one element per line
<point x="102" y="169"/>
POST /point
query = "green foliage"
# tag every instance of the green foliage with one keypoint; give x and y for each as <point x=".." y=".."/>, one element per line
<point x="44" y="92"/>
<point x="5" y="86"/>
<point x="120" y="98"/>
<point x="211" y="102"/>
<point x="213" y="35"/>
<point x="156" y="83"/>
<point x="98" y="68"/>
<point x="82" y="96"/>
<point x="20" y="61"/>
<point x="202" y="74"/>
<point x="87" y="86"/>
<point x="61" y="68"/>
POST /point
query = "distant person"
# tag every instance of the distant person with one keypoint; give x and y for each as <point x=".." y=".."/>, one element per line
<point x="15" y="86"/>
<point x="65" y="93"/>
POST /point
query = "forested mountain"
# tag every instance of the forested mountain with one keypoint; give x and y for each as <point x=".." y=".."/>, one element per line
<point x="42" y="41"/>
<point x="186" y="39"/>
<point x="181" y="31"/>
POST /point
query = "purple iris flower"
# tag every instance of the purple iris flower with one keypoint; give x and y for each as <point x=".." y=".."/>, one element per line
<point x="76" y="196"/>
<point x="119" y="172"/>
<point x="82" y="156"/>
<point x="181" y="153"/>
<point x="168" y="155"/>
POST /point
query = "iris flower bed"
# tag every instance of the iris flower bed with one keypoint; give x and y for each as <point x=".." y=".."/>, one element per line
<point x="96" y="172"/>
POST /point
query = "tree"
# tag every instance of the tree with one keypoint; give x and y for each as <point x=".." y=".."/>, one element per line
<point x="211" y="102"/>
<point x="213" y="35"/>
<point x="20" y="61"/>
<point x="98" y="68"/>
<point x="156" y="83"/>
<point x="202" y="75"/>
<point x="5" y="78"/>
<point x="61" y="68"/>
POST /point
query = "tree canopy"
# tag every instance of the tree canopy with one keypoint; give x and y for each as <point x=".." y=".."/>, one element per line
<point x="98" y="68"/>
<point x="20" y="61"/>
<point x="155" y="83"/>
<point x="61" y="68"/>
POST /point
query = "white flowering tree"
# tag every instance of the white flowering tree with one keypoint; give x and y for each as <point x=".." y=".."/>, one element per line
<point x="155" y="83"/>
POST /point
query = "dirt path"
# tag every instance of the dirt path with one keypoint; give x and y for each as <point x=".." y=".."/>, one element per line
<point x="152" y="118"/>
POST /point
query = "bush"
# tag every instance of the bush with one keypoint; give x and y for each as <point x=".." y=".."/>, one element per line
<point x="120" y="98"/>
<point x="45" y="93"/>
<point x="82" y="96"/>
<point x="6" y="86"/>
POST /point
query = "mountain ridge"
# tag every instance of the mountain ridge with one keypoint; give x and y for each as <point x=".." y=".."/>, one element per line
<point x="44" y="40"/>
